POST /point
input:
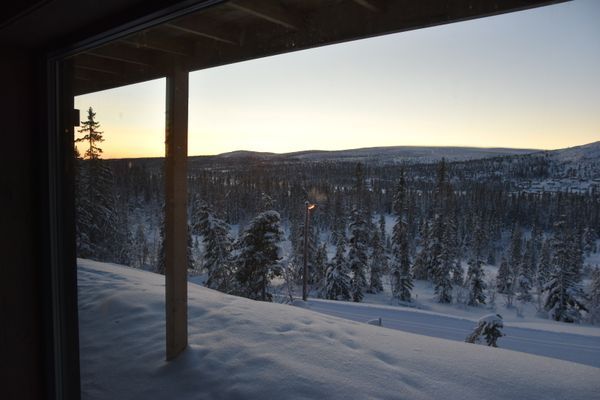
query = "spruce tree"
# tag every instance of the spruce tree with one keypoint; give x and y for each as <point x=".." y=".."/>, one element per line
<point x="97" y="220"/>
<point x="422" y="260"/>
<point x="515" y="252"/>
<point x="475" y="275"/>
<point x="379" y="264"/>
<point x="594" y="297"/>
<point x="443" y="267"/>
<point x="504" y="282"/>
<point x="320" y="265"/>
<point x="218" y="244"/>
<point x="526" y="272"/>
<point x="257" y="261"/>
<point x="357" y="256"/>
<point x="589" y="241"/>
<point x="563" y="289"/>
<point x="338" y="283"/>
<point x="140" y="247"/>
<point x="402" y="284"/>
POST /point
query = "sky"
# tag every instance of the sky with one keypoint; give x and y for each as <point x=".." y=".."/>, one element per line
<point x="522" y="80"/>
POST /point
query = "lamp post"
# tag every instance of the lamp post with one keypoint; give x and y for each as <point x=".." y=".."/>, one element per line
<point x="308" y="207"/>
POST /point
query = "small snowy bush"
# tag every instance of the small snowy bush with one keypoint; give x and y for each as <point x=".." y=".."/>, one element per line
<point x="488" y="326"/>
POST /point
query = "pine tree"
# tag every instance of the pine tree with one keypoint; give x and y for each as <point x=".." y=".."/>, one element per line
<point x="97" y="225"/>
<point x="357" y="256"/>
<point x="475" y="275"/>
<point x="441" y="274"/>
<point x="338" y="283"/>
<point x="92" y="136"/>
<point x="515" y="252"/>
<point x="589" y="241"/>
<point x="543" y="271"/>
<point x="320" y="265"/>
<point x="379" y="264"/>
<point x="140" y="248"/>
<point x="422" y="261"/>
<point x="258" y="256"/>
<point x="594" y="297"/>
<point x="217" y="246"/>
<point x="382" y="233"/>
<point x="504" y="282"/>
<point x="526" y="271"/>
<point x="563" y="288"/>
<point x="402" y="284"/>
<point x="339" y="220"/>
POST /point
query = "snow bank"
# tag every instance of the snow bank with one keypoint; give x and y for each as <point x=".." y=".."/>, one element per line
<point x="245" y="349"/>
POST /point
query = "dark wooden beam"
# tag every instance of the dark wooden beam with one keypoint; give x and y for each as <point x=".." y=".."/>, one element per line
<point x="371" y="5"/>
<point x="96" y="69"/>
<point x="109" y="66"/>
<point x="205" y="33"/>
<point x="126" y="58"/>
<point x="155" y="41"/>
<point x="176" y="212"/>
<point x="271" y="11"/>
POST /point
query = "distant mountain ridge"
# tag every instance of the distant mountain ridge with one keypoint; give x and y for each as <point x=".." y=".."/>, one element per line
<point x="383" y="155"/>
<point x="586" y="154"/>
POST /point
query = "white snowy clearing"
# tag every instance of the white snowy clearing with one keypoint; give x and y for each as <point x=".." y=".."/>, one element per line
<point x="240" y="348"/>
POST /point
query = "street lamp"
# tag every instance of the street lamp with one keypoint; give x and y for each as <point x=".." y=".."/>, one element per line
<point x="308" y="207"/>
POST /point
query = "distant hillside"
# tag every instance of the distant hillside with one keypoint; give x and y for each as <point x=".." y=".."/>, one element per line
<point x="380" y="155"/>
<point x="583" y="153"/>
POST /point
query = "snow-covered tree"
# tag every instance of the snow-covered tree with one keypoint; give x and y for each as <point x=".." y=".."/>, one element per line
<point x="422" y="262"/>
<point x="515" y="253"/>
<point x="140" y="248"/>
<point x="320" y="270"/>
<point x="490" y="327"/>
<point x="475" y="275"/>
<point x="526" y="272"/>
<point x="505" y="283"/>
<point x="563" y="289"/>
<point x="589" y="241"/>
<point x="401" y="277"/>
<point x="218" y="246"/>
<point x="446" y="265"/>
<point x="379" y="264"/>
<point x="594" y="297"/>
<point x="338" y="279"/>
<point x="258" y="256"/>
<point x="97" y="221"/>
<point x="357" y="255"/>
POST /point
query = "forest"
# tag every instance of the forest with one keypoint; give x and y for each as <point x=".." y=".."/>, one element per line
<point x="440" y="221"/>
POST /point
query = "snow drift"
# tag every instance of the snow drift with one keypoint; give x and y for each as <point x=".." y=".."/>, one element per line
<point x="239" y="348"/>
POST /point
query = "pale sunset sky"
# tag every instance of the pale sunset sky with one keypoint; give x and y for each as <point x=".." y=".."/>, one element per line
<point x="524" y="80"/>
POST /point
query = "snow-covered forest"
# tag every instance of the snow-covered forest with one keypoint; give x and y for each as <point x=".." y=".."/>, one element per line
<point x="508" y="231"/>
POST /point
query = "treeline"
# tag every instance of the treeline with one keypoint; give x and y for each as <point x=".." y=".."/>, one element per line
<point x="447" y="221"/>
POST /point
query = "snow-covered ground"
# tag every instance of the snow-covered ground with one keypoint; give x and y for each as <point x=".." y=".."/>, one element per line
<point x="240" y="348"/>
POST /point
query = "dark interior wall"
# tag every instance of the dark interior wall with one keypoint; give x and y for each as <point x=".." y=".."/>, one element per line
<point x="26" y="310"/>
<point x="21" y="317"/>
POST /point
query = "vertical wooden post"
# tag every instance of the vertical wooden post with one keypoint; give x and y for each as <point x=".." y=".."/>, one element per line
<point x="176" y="212"/>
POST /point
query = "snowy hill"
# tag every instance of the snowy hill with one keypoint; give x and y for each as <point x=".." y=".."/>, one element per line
<point x="585" y="152"/>
<point x="245" y="349"/>
<point x="380" y="155"/>
<point x="398" y="154"/>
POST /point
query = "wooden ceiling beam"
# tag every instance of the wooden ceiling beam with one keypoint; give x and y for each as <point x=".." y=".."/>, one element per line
<point x="371" y="5"/>
<point x="208" y="33"/>
<point x="153" y="41"/>
<point x="96" y="69"/>
<point x="117" y="56"/>
<point x="269" y="11"/>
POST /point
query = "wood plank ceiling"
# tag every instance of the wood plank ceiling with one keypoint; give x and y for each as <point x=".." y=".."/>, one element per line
<point x="233" y="31"/>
